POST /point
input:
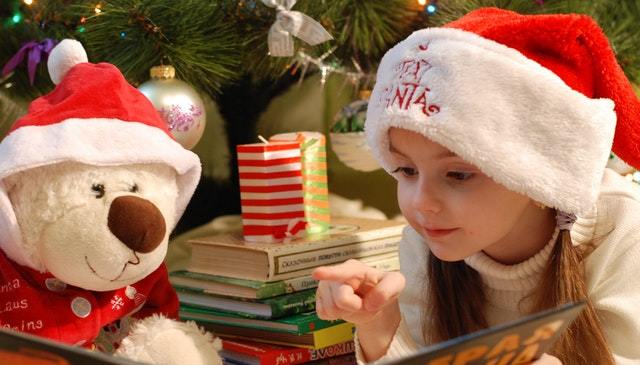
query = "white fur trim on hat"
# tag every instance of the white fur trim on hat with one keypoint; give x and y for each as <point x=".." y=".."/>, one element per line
<point x="515" y="120"/>
<point x="63" y="57"/>
<point x="94" y="141"/>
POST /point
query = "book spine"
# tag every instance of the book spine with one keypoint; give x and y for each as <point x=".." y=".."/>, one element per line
<point x="292" y="356"/>
<point x="287" y="357"/>
<point x="333" y="335"/>
<point x="263" y="289"/>
<point x="313" y="323"/>
<point x="229" y="361"/>
<point x="267" y="354"/>
<point x="348" y="359"/>
<point x="300" y="324"/>
<point x="271" y="274"/>
<point x="343" y="348"/>
<point x="302" y="263"/>
<point x="289" y="304"/>
<point x="384" y="262"/>
<point x="272" y="289"/>
<point x="287" y="286"/>
<point x="281" y="306"/>
<point x="299" y="284"/>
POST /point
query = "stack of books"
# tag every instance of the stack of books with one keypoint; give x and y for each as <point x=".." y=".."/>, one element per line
<point x="260" y="298"/>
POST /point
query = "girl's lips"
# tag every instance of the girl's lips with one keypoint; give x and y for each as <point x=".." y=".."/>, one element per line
<point x="433" y="233"/>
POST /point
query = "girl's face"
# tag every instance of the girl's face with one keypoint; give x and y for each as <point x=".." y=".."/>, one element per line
<point x="458" y="209"/>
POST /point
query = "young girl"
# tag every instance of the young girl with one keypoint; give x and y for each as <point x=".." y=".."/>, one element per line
<point x="498" y="128"/>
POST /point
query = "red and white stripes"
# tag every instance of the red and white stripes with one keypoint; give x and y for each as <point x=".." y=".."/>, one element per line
<point x="271" y="191"/>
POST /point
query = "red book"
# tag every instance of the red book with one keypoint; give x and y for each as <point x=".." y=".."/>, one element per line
<point x="256" y="353"/>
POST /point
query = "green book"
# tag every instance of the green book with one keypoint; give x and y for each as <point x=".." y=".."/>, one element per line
<point x="270" y="308"/>
<point x="297" y="324"/>
<point x="234" y="287"/>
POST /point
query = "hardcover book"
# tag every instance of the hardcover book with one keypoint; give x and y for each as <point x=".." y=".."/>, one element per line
<point x="257" y="353"/>
<point x="231" y="256"/>
<point x="318" y="339"/>
<point x="518" y="342"/>
<point x="271" y="308"/>
<point x="348" y="359"/>
<point x="255" y="289"/>
<point x="241" y="288"/>
<point x="297" y="324"/>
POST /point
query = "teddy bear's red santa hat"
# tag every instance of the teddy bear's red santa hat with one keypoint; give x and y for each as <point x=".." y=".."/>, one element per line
<point x="93" y="116"/>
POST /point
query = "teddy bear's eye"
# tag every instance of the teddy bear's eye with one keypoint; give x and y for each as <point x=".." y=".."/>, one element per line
<point x="98" y="189"/>
<point x="134" y="188"/>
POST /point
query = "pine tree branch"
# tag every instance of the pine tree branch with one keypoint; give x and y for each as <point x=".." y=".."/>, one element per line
<point x="138" y="34"/>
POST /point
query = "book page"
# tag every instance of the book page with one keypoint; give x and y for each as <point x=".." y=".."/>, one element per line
<point x="21" y="348"/>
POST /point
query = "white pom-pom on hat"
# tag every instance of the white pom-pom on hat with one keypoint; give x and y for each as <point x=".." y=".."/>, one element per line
<point x="63" y="57"/>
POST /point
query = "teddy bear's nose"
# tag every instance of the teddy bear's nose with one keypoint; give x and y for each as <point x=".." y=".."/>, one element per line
<point x="137" y="222"/>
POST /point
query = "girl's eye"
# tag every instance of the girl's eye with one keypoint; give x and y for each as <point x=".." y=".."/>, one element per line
<point x="405" y="171"/>
<point x="460" y="175"/>
<point x="98" y="189"/>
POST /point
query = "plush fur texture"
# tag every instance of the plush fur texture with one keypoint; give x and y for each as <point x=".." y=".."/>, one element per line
<point x="157" y="340"/>
<point x="575" y="48"/>
<point x="51" y="201"/>
<point x="93" y="116"/>
<point x="98" y="142"/>
<point x="91" y="185"/>
<point x="63" y="57"/>
<point x="514" y="119"/>
<point x="63" y="212"/>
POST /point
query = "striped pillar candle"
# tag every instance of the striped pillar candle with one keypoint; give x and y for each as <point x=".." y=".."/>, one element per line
<point x="271" y="194"/>
<point x="314" y="177"/>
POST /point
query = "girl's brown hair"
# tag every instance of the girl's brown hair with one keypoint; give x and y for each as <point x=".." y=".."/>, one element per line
<point x="456" y="301"/>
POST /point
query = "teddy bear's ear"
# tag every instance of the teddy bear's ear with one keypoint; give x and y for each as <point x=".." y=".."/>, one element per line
<point x="63" y="57"/>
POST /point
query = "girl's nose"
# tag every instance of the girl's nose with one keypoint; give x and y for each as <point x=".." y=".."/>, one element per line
<point x="427" y="198"/>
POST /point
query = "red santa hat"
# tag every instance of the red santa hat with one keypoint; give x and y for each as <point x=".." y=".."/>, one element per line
<point x="93" y="116"/>
<point x="531" y="100"/>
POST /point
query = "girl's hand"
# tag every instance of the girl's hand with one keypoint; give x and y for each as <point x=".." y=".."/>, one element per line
<point x="355" y="292"/>
<point x="547" y="360"/>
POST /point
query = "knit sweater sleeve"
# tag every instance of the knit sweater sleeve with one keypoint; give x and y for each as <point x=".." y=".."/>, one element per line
<point x="612" y="272"/>
<point x="402" y="345"/>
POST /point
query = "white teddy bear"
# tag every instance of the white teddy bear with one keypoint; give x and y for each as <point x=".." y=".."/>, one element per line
<point x="91" y="185"/>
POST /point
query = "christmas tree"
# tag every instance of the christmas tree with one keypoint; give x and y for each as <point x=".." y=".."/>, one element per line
<point x="221" y="50"/>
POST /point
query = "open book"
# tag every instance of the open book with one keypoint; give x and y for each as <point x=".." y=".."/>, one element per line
<point x="21" y="348"/>
<point x="518" y="342"/>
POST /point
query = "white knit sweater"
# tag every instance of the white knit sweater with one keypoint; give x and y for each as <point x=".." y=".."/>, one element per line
<point x="611" y="240"/>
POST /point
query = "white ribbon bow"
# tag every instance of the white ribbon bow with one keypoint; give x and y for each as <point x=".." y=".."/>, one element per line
<point x="290" y="23"/>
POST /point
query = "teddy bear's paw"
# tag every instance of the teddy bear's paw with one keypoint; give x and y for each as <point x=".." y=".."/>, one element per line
<point x="162" y="341"/>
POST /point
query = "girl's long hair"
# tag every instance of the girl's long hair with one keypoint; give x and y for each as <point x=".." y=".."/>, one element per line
<point x="456" y="302"/>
